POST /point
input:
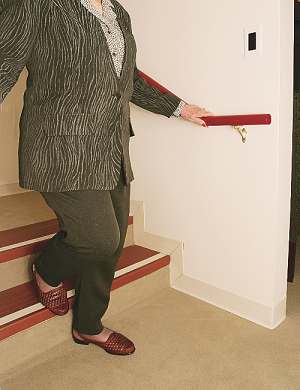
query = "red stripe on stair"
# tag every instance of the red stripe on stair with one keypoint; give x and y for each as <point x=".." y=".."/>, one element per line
<point x="22" y="251"/>
<point x="28" y="232"/>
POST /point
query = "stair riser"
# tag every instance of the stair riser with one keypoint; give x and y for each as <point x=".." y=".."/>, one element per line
<point x="18" y="271"/>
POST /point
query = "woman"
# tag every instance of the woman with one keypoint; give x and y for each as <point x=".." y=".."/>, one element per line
<point x="74" y="142"/>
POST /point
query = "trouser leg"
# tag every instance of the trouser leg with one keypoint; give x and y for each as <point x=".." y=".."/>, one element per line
<point x="93" y="229"/>
<point x="92" y="286"/>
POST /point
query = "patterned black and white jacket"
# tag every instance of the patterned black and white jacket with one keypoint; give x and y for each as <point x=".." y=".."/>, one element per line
<point x="75" y="124"/>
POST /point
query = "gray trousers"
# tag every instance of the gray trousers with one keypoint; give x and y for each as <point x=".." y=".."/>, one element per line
<point x="93" y="228"/>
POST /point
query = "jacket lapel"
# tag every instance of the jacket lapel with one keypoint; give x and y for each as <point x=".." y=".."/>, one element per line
<point x="130" y="47"/>
<point x="71" y="9"/>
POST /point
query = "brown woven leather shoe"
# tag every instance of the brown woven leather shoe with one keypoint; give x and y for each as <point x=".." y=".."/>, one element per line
<point x="116" y="344"/>
<point x="55" y="300"/>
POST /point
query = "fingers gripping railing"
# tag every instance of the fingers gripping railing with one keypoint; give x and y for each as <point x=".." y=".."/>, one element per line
<point x="236" y="121"/>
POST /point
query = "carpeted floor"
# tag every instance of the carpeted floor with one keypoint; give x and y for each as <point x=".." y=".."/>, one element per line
<point x="182" y="343"/>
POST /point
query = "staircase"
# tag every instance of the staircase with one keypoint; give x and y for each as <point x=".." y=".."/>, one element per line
<point x="148" y="264"/>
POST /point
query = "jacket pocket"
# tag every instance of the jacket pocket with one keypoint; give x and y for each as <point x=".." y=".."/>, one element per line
<point x="67" y="125"/>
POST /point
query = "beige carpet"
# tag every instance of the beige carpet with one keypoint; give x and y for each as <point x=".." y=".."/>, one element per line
<point x="182" y="343"/>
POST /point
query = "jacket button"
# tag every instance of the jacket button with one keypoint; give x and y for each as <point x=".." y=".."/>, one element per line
<point x="118" y="95"/>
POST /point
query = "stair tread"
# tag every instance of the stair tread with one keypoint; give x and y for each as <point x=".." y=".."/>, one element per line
<point x="25" y="240"/>
<point x="26" y="217"/>
<point x="23" y="209"/>
<point x="29" y="232"/>
<point x="23" y="296"/>
<point x="133" y="254"/>
<point x="23" y="234"/>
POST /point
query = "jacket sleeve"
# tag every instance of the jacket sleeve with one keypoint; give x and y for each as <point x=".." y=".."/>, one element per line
<point x="18" y="21"/>
<point x="150" y="98"/>
<point x="147" y="96"/>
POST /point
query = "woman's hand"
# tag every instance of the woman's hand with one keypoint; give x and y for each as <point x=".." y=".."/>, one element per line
<point x="193" y="113"/>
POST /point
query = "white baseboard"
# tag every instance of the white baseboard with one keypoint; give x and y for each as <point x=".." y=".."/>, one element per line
<point x="269" y="317"/>
<point x="10" y="189"/>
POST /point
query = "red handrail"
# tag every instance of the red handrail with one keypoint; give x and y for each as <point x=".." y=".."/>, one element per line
<point x="227" y="120"/>
<point x="235" y="120"/>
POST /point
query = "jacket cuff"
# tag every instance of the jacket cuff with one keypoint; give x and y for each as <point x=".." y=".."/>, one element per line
<point x="178" y="110"/>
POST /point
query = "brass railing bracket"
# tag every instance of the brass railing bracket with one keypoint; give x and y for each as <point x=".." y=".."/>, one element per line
<point x="242" y="131"/>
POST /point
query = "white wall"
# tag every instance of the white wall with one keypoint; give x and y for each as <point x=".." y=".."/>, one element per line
<point x="10" y="111"/>
<point x="227" y="201"/>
